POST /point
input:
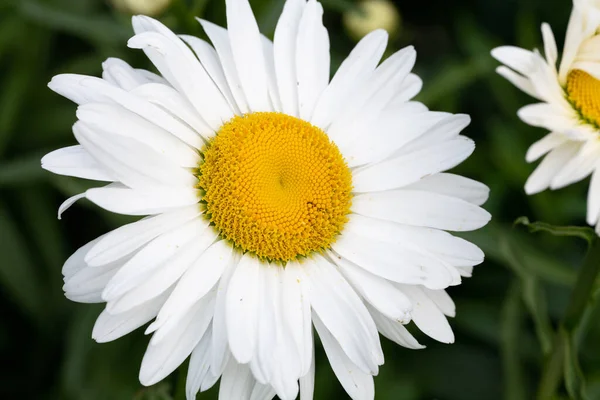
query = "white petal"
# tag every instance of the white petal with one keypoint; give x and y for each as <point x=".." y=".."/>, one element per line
<point x="312" y="58"/>
<point x="76" y="261"/>
<point x="95" y="90"/>
<point x="284" y="51"/>
<point x="87" y="284"/>
<point x="411" y="86"/>
<point x="262" y="392"/>
<point x="549" y="116"/>
<point x="549" y="44"/>
<point x="522" y="83"/>
<point x="421" y="209"/>
<point x="593" y="207"/>
<point x="122" y="75"/>
<point x="220" y="343"/>
<point x="220" y="39"/>
<point x="77" y="162"/>
<point x="296" y="302"/>
<point x="68" y="203"/>
<point x="578" y="167"/>
<point x="237" y="382"/>
<point x="356" y="383"/>
<point x="198" y="280"/>
<point x="116" y="120"/>
<point x="450" y="249"/>
<point x="455" y="186"/>
<point x="442" y="300"/>
<point x="540" y="179"/>
<point x="374" y="93"/>
<point x="519" y="59"/>
<point x="544" y="145"/>
<point x="247" y="49"/>
<point x="109" y="327"/>
<point x="186" y="74"/>
<point x="447" y="126"/>
<point x="353" y="71"/>
<point x="307" y="382"/>
<point x="393" y="262"/>
<point x="271" y="77"/>
<point x="177" y="105"/>
<point x="211" y="63"/>
<point x="427" y="316"/>
<point x="164" y="276"/>
<point x="378" y="292"/>
<point x="388" y="133"/>
<point x="164" y="357"/>
<point x="128" y="238"/>
<point x="409" y="168"/>
<point x="394" y="330"/>
<point x="131" y="161"/>
<point x="199" y="369"/>
<point x="120" y="199"/>
<point x="242" y="308"/>
<point x="153" y="255"/>
<point x="90" y="89"/>
<point x="344" y="314"/>
<point x="277" y="354"/>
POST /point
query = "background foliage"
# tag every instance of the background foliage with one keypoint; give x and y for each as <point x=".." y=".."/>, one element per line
<point x="506" y="312"/>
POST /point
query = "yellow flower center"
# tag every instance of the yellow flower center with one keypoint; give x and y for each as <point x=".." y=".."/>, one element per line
<point x="275" y="185"/>
<point x="584" y="93"/>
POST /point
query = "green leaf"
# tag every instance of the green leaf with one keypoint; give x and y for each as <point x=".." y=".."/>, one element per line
<point x="541" y="264"/>
<point x="585" y="233"/>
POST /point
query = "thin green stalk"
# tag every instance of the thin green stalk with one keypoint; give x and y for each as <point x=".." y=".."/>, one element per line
<point x="582" y="293"/>
<point x="581" y="296"/>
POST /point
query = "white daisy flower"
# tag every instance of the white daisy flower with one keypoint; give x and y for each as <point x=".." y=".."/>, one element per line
<point x="569" y="103"/>
<point x="276" y="200"/>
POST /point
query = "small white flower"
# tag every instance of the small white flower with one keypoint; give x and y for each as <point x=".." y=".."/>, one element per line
<point x="276" y="200"/>
<point x="569" y="103"/>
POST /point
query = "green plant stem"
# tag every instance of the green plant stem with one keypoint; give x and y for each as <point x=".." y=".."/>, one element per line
<point x="581" y="296"/>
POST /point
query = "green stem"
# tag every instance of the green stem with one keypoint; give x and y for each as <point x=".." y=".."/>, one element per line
<point x="512" y="318"/>
<point x="582" y="293"/>
<point x="580" y="297"/>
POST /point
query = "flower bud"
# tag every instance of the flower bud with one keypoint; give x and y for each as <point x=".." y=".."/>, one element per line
<point x="145" y="7"/>
<point x="370" y="15"/>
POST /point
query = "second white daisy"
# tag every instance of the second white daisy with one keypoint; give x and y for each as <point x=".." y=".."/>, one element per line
<point x="569" y="107"/>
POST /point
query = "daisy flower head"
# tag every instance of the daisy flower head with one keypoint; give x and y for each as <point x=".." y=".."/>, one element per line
<point x="569" y="106"/>
<point x="275" y="200"/>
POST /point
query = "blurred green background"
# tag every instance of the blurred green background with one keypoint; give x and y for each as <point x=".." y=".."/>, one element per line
<point x="505" y="312"/>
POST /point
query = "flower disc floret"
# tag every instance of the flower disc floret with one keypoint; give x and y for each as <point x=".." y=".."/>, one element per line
<point x="275" y="185"/>
<point x="584" y="93"/>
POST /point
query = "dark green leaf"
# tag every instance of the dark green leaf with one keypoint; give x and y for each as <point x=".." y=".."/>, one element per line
<point x="585" y="233"/>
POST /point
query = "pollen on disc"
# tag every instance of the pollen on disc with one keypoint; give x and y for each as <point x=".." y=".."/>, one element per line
<point x="275" y="185"/>
<point x="584" y="92"/>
